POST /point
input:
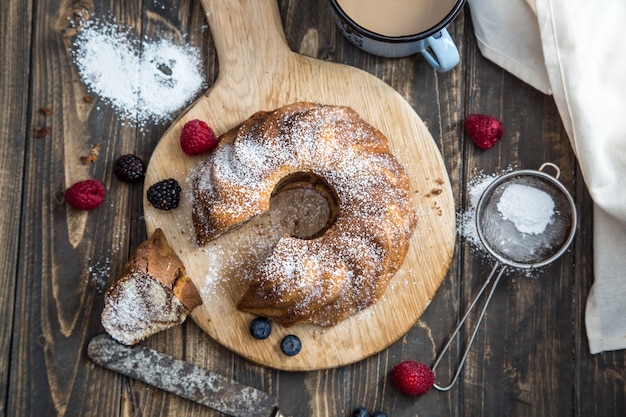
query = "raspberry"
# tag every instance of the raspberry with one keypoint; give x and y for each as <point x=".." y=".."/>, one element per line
<point x="412" y="378"/>
<point x="129" y="168"/>
<point x="164" y="195"/>
<point x="197" y="138"/>
<point x="484" y="130"/>
<point x="85" y="195"/>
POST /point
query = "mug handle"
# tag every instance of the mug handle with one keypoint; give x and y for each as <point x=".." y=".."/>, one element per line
<point x="440" y="51"/>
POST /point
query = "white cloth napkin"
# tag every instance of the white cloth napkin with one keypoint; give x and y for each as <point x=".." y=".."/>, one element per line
<point x="576" y="51"/>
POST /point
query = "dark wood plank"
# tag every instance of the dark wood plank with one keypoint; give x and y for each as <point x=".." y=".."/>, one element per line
<point x="15" y="17"/>
<point x="69" y="253"/>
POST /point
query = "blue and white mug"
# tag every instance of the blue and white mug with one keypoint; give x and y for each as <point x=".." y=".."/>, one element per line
<point x="398" y="28"/>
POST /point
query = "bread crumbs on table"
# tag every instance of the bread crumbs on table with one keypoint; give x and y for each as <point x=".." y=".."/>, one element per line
<point x="93" y="155"/>
<point x="41" y="131"/>
<point x="46" y="110"/>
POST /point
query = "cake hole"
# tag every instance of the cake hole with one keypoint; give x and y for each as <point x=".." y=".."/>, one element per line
<point x="308" y="205"/>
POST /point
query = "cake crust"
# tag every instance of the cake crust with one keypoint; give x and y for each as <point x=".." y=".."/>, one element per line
<point x="325" y="278"/>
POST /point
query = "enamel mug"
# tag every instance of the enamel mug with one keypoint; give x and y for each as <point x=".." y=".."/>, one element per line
<point x="399" y="28"/>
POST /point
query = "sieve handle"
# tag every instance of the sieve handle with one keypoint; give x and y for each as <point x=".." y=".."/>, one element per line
<point x="458" y="327"/>
<point x="555" y="167"/>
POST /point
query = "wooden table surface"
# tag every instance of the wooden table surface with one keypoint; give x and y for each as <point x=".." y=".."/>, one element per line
<point x="530" y="357"/>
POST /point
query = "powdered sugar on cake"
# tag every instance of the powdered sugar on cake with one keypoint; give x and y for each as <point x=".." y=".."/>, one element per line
<point x="349" y="266"/>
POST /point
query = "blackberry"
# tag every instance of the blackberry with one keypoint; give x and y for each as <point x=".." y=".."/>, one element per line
<point x="260" y="328"/>
<point x="291" y="345"/>
<point x="164" y="195"/>
<point x="360" y="412"/>
<point x="129" y="168"/>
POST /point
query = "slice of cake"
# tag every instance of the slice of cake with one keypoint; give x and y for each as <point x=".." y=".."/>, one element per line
<point x="153" y="294"/>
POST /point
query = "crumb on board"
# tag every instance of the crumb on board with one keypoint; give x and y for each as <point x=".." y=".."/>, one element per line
<point x="93" y="155"/>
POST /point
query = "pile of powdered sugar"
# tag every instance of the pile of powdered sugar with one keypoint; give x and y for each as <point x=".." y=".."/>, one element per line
<point x="529" y="208"/>
<point x="143" y="81"/>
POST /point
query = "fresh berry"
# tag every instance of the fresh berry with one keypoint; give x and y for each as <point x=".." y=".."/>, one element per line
<point x="291" y="345"/>
<point x="85" y="195"/>
<point x="360" y="412"/>
<point x="484" y="130"/>
<point x="129" y="168"/>
<point x="197" y="138"/>
<point x="412" y="378"/>
<point x="379" y="414"/>
<point x="260" y="328"/>
<point x="164" y="195"/>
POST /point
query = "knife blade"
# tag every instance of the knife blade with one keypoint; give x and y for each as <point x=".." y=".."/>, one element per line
<point x="182" y="378"/>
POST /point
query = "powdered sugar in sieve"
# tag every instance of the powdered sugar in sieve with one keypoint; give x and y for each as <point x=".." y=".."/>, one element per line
<point x="526" y="218"/>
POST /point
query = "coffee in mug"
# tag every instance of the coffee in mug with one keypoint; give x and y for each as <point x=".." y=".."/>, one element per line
<point x="396" y="28"/>
<point x="397" y="17"/>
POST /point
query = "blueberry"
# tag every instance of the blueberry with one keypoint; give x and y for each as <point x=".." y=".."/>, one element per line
<point x="260" y="328"/>
<point x="379" y="414"/>
<point x="360" y="412"/>
<point x="291" y="345"/>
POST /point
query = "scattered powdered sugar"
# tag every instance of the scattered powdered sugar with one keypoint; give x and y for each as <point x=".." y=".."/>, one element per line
<point x="99" y="269"/>
<point x="143" y="81"/>
<point x="466" y="220"/>
<point x="529" y="209"/>
<point x="99" y="272"/>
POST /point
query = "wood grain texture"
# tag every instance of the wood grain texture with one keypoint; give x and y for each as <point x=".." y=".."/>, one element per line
<point x="531" y="359"/>
<point x="259" y="72"/>
<point x="14" y="70"/>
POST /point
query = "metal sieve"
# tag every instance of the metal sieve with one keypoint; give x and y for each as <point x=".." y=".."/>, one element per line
<point x="513" y="248"/>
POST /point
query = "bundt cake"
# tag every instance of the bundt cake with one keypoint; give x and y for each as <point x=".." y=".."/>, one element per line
<point x="344" y="268"/>
<point x="153" y="294"/>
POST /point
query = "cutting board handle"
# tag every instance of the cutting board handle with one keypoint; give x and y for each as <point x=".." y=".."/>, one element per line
<point x="248" y="34"/>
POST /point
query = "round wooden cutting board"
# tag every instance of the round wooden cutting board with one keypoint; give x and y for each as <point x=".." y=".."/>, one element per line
<point x="259" y="72"/>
